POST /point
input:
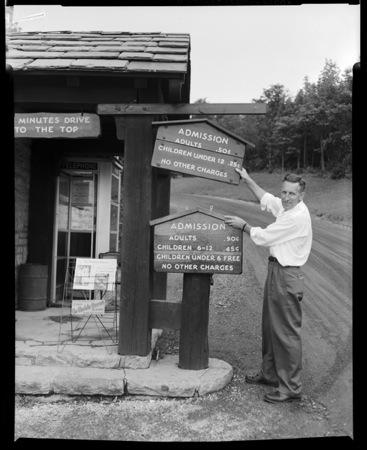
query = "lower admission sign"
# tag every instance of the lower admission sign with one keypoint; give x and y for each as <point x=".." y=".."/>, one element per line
<point x="196" y="241"/>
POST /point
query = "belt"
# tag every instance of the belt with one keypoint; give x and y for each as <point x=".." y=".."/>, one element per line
<point x="273" y="259"/>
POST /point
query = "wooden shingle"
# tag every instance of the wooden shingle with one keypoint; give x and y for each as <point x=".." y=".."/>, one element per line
<point x="45" y="63"/>
<point x="34" y="55"/>
<point x="170" y="43"/>
<point x="169" y="57"/>
<point x="81" y="48"/>
<point x="91" y="55"/>
<point x="147" y="66"/>
<point x="136" y="55"/>
<point x="31" y="48"/>
<point x="132" y="48"/>
<point x="18" y="63"/>
<point x="99" y="64"/>
<point x="171" y="50"/>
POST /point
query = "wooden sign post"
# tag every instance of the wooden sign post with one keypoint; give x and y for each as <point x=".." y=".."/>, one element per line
<point x="193" y="346"/>
<point x="199" y="147"/>
<point x="197" y="243"/>
<point x="140" y="206"/>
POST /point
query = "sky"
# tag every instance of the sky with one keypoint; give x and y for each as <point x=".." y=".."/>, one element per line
<point x="236" y="51"/>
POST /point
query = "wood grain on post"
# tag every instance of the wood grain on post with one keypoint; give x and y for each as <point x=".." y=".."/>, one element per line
<point x="134" y="333"/>
<point x="194" y="348"/>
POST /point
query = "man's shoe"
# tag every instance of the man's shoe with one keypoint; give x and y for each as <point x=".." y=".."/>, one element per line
<point x="259" y="379"/>
<point x="279" y="397"/>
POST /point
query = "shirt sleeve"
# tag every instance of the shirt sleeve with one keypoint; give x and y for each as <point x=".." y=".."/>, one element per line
<point x="282" y="230"/>
<point x="270" y="203"/>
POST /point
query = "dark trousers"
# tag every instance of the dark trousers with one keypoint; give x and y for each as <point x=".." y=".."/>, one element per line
<point x="281" y="327"/>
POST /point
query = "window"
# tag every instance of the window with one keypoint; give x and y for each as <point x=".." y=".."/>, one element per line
<point x="115" y="209"/>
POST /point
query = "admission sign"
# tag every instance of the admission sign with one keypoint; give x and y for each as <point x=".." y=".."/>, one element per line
<point x="56" y="125"/>
<point x="196" y="241"/>
<point x="200" y="148"/>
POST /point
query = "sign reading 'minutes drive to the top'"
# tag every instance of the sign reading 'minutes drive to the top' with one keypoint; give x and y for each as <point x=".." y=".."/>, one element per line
<point x="200" y="148"/>
<point x="56" y="125"/>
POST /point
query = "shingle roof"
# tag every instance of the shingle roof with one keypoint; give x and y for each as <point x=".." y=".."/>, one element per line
<point x="98" y="50"/>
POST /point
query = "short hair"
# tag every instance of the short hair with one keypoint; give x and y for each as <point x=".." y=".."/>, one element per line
<point x="293" y="178"/>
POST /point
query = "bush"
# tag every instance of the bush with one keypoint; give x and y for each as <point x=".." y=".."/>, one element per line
<point x="337" y="172"/>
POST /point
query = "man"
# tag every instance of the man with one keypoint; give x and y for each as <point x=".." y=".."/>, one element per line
<point x="289" y="239"/>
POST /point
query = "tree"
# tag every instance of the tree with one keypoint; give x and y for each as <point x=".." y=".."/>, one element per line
<point x="313" y="129"/>
<point x="304" y="116"/>
<point x="331" y="113"/>
<point x="276" y="99"/>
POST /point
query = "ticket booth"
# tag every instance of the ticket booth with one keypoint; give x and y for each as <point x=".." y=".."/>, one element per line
<point x="87" y="214"/>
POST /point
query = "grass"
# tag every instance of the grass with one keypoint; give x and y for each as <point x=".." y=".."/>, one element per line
<point x="326" y="198"/>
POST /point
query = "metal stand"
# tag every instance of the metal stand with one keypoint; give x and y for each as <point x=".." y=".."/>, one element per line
<point x="101" y="322"/>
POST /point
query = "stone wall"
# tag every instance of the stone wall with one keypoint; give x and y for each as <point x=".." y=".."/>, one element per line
<point x="22" y="155"/>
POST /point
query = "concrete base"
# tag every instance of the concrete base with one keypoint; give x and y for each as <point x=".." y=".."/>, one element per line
<point x="162" y="378"/>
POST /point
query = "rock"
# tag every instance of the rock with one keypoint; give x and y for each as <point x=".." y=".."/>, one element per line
<point x="218" y="375"/>
<point x="68" y="380"/>
<point x="91" y="381"/>
<point x="33" y="380"/>
<point x="165" y="378"/>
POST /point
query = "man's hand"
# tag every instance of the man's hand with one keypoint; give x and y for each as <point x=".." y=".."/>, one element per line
<point x="234" y="221"/>
<point x="242" y="173"/>
<point x="255" y="188"/>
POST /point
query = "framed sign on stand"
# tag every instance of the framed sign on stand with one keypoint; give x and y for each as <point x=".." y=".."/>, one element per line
<point x="89" y="301"/>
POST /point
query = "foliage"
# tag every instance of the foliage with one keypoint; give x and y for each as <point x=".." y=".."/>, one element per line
<point x="312" y="131"/>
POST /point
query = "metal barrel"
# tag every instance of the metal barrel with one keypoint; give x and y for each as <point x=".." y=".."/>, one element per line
<point x="32" y="288"/>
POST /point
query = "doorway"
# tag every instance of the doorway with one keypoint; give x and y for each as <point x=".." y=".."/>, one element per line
<point x="76" y="214"/>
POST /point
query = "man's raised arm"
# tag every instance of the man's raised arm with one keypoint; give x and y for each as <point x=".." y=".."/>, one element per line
<point x="255" y="188"/>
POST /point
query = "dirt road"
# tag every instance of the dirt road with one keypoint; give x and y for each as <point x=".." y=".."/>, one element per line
<point x="327" y="304"/>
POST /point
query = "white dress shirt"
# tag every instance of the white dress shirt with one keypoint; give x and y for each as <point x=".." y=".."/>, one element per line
<point x="289" y="238"/>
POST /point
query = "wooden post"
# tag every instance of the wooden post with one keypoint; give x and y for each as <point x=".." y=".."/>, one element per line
<point x="194" y="349"/>
<point x="134" y="332"/>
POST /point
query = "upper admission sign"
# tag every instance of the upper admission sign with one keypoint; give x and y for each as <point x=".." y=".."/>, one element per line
<point x="200" y="148"/>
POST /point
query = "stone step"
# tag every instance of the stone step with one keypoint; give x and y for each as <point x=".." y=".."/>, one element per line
<point x="162" y="378"/>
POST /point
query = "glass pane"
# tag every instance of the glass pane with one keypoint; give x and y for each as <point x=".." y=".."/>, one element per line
<point x="115" y="190"/>
<point x="82" y="218"/>
<point x="116" y="171"/>
<point x="64" y="190"/>
<point x="113" y="242"/>
<point x="82" y="191"/>
<point x="59" y="292"/>
<point x="80" y="244"/>
<point x="60" y="271"/>
<point x="63" y="216"/>
<point x="114" y="218"/>
<point x="62" y="242"/>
